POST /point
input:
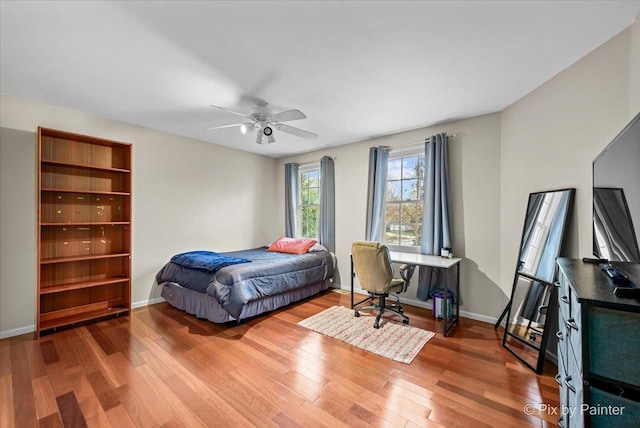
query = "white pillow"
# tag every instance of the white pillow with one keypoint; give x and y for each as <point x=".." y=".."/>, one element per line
<point x="317" y="247"/>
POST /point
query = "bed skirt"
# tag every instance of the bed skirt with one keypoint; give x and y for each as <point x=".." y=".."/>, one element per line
<point x="204" y="306"/>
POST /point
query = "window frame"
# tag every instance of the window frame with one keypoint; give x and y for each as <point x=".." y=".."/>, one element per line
<point x="303" y="169"/>
<point x="395" y="154"/>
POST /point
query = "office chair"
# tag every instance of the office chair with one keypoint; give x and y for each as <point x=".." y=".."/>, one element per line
<point x="372" y="265"/>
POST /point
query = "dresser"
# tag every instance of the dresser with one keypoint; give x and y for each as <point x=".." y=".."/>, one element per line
<point x="598" y="348"/>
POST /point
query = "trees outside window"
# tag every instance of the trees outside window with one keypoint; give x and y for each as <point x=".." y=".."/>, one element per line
<point x="404" y="200"/>
<point x="309" y="203"/>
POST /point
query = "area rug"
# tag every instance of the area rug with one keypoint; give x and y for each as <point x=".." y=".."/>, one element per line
<point x="396" y="341"/>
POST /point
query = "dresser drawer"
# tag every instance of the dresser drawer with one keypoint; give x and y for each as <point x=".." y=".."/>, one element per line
<point x="570" y="320"/>
<point x="563" y="420"/>
<point x="563" y="341"/>
<point x="614" y="344"/>
<point x="609" y="410"/>
<point x="574" y="385"/>
<point x="564" y="298"/>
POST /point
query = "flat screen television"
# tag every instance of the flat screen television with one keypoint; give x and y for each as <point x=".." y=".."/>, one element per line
<point x="616" y="197"/>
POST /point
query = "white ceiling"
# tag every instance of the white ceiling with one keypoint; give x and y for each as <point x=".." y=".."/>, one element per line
<point x="358" y="69"/>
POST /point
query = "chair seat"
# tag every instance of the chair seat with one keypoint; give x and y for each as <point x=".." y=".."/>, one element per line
<point x="397" y="282"/>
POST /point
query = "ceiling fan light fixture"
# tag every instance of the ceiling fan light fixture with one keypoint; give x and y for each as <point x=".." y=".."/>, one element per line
<point x="244" y="128"/>
<point x="271" y="139"/>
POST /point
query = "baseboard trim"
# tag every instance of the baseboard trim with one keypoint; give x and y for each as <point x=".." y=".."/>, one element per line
<point x="17" y="331"/>
<point x="428" y="305"/>
<point x="148" y="302"/>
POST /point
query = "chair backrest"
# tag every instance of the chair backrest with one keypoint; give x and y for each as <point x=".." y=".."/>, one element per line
<point x="372" y="264"/>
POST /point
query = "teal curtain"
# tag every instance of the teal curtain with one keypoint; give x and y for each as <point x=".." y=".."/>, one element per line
<point x="436" y="217"/>
<point x="291" y="199"/>
<point x="327" y="227"/>
<point x="378" y="159"/>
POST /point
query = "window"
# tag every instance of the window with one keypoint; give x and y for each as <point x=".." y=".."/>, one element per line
<point x="404" y="198"/>
<point x="309" y="203"/>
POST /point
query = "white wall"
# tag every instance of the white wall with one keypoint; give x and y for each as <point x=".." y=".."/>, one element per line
<point x="475" y="182"/>
<point x="187" y="195"/>
<point x="551" y="136"/>
<point x="634" y="63"/>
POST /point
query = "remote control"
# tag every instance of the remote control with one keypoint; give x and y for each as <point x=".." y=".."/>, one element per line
<point x="617" y="278"/>
<point x="611" y="271"/>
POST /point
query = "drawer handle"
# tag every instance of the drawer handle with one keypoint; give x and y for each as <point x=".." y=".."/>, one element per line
<point x="571" y="323"/>
<point x="558" y="381"/>
<point x="557" y="283"/>
<point x="568" y="385"/>
<point x="559" y="335"/>
<point x="564" y="299"/>
<point x="561" y="422"/>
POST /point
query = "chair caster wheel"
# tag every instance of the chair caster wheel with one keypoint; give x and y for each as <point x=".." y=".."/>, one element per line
<point x="401" y="310"/>
<point x="405" y="321"/>
<point x="357" y="314"/>
<point x="376" y="325"/>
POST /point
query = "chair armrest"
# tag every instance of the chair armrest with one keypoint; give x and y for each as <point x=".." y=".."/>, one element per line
<point x="406" y="272"/>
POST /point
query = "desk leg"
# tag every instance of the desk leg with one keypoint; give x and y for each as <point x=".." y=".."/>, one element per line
<point x="454" y="319"/>
<point x="352" y="276"/>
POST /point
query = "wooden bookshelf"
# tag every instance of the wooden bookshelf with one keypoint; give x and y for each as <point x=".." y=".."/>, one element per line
<point x="84" y="229"/>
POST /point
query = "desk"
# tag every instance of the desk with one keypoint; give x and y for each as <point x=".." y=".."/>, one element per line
<point x="414" y="260"/>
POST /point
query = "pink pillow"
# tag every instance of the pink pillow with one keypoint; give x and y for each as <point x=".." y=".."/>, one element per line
<point x="292" y="245"/>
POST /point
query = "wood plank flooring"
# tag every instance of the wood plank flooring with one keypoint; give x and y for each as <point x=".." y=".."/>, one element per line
<point x="162" y="367"/>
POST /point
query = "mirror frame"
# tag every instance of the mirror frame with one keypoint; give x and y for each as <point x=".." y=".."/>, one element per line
<point x="551" y="315"/>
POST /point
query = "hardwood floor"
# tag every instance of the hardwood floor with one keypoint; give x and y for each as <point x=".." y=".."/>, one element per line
<point x="162" y="367"/>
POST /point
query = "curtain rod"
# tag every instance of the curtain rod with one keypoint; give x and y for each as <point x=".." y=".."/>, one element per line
<point x="312" y="162"/>
<point x="418" y="142"/>
<point x="394" y="147"/>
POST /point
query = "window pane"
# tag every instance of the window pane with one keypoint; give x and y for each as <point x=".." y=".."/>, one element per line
<point x="410" y="167"/>
<point x="410" y="235"/>
<point x="411" y="213"/>
<point x="309" y="185"/>
<point x="409" y="190"/>
<point x="411" y="219"/>
<point x="314" y="196"/>
<point x="393" y="190"/>
<point x="404" y="197"/>
<point x="393" y="214"/>
<point x="392" y="223"/>
<point x="312" y="230"/>
<point x="394" y="169"/>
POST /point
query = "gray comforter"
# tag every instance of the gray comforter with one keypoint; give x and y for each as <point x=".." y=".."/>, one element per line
<point x="267" y="274"/>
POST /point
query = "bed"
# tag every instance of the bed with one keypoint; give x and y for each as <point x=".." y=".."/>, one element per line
<point x="261" y="282"/>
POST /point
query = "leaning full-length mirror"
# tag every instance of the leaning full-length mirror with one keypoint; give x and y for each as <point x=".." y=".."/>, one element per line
<point x="532" y="307"/>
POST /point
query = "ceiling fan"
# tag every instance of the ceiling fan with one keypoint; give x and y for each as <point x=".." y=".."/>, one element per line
<point x="262" y="119"/>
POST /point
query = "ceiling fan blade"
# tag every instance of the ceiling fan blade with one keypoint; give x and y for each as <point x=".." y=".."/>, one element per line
<point x="289" y="115"/>
<point x="296" y="131"/>
<point x="233" y="112"/>
<point x="223" y="126"/>
<point x="250" y="99"/>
